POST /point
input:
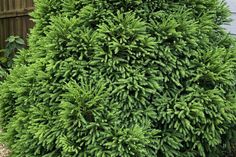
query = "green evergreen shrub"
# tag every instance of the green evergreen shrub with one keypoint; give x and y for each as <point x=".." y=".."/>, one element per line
<point x="123" y="78"/>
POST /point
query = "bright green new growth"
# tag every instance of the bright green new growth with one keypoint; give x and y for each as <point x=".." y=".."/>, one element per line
<point x="123" y="78"/>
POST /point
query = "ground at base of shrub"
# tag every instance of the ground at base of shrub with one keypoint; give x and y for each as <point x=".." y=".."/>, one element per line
<point x="4" y="152"/>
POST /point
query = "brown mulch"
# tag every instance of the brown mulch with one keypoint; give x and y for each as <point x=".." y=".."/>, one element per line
<point x="4" y="152"/>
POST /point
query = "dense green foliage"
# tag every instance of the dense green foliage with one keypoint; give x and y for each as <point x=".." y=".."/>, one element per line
<point x="123" y="78"/>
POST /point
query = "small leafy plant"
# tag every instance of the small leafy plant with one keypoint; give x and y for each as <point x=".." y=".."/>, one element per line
<point x="14" y="44"/>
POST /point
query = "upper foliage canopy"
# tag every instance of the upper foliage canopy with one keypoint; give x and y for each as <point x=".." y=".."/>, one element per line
<point x="123" y="78"/>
